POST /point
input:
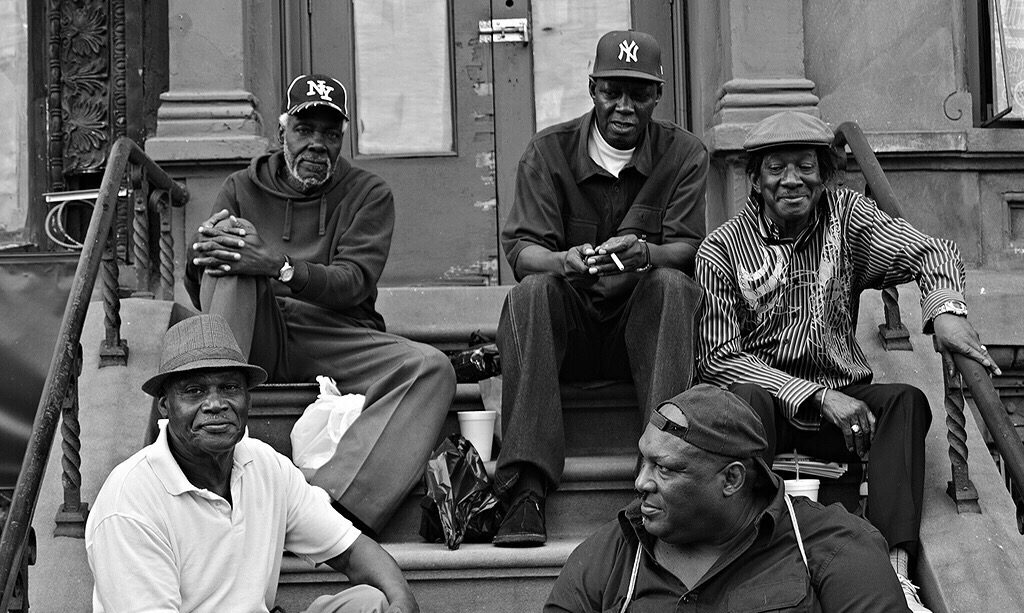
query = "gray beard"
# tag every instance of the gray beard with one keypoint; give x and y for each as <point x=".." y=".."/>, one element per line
<point x="305" y="184"/>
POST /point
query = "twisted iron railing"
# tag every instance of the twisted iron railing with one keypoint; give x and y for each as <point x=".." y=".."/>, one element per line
<point x="59" y="399"/>
<point x="972" y="379"/>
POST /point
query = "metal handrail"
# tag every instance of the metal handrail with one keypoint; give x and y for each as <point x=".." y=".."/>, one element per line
<point x="893" y="333"/>
<point x="60" y="375"/>
<point x="974" y="375"/>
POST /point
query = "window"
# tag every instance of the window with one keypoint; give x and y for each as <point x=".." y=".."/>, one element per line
<point x="14" y="138"/>
<point x="403" y="77"/>
<point x="996" y="63"/>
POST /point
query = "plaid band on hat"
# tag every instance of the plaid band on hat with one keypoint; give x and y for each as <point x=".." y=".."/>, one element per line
<point x="200" y="343"/>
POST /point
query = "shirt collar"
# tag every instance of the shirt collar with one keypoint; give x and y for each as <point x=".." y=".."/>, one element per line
<point x="169" y="472"/>
<point x="584" y="167"/>
<point x="769" y="230"/>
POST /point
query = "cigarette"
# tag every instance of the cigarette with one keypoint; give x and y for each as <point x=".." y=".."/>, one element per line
<point x="618" y="262"/>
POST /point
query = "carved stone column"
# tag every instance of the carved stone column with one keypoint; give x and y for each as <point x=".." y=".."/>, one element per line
<point x="762" y="73"/>
<point x="208" y="112"/>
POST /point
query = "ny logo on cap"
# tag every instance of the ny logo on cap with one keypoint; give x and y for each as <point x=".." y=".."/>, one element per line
<point x="628" y="51"/>
<point x="322" y="89"/>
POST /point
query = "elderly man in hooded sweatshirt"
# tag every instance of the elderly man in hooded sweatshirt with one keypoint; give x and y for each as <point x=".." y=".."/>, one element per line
<point x="291" y="256"/>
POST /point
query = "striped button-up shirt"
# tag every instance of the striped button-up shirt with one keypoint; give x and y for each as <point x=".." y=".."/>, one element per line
<point x="782" y="313"/>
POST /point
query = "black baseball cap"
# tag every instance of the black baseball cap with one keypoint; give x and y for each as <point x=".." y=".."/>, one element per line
<point x="306" y="91"/>
<point x="628" y="54"/>
<point x="717" y="421"/>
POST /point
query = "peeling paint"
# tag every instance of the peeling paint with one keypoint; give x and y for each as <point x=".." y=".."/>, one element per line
<point x="485" y="159"/>
<point x="486" y="205"/>
<point x="483" y="89"/>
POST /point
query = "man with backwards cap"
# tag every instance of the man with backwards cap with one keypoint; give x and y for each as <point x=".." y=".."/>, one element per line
<point x="783" y="280"/>
<point x="607" y="217"/>
<point x="198" y="520"/>
<point x="713" y="530"/>
<point x="291" y="256"/>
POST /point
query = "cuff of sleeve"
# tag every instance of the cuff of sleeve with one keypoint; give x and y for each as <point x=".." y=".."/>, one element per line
<point x="794" y="393"/>
<point x="300" y="279"/>
<point x="930" y="305"/>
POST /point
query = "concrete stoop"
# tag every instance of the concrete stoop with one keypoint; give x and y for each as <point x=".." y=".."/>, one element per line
<point x="476" y="578"/>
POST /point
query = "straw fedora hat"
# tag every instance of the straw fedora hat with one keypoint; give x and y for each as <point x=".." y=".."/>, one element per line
<point x="201" y="342"/>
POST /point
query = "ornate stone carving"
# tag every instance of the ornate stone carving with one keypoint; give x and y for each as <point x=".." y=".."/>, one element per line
<point x="84" y="65"/>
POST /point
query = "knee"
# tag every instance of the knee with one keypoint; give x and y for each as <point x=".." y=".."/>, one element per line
<point x="529" y="299"/>
<point x="363" y="599"/>
<point x="435" y="365"/>
<point x="912" y="402"/>
<point x="758" y="398"/>
<point x="538" y="285"/>
<point x="672" y="284"/>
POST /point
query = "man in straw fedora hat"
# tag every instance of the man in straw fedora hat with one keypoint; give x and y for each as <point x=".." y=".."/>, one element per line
<point x="712" y="530"/>
<point x="198" y="520"/>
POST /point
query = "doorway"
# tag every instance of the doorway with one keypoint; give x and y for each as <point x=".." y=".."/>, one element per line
<point x="444" y="97"/>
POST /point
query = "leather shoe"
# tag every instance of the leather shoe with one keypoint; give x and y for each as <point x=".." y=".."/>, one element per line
<point x="523" y="525"/>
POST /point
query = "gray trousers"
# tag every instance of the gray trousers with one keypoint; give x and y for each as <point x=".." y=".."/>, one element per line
<point x="408" y="386"/>
<point x="549" y="331"/>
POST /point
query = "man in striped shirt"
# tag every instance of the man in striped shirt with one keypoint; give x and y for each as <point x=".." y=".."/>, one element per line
<point x="783" y="280"/>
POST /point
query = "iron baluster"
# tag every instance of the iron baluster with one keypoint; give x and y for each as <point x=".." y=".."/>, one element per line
<point x="160" y="201"/>
<point x="72" y="514"/>
<point x="960" y="488"/>
<point x="114" y="351"/>
<point x="140" y="233"/>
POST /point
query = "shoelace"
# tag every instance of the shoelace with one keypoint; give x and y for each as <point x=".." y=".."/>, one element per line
<point x="910" y="591"/>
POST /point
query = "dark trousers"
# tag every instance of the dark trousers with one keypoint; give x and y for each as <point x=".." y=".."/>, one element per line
<point x="408" y="387"/>
<point x="549" y="331"/>
<point x="896" y="466"/>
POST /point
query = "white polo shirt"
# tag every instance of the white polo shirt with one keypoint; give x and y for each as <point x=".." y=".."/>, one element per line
<point x="158" y="543"/>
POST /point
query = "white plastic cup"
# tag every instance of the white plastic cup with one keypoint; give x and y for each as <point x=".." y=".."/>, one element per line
<point x="478" y="428"/>
<point x="803" y="487"/>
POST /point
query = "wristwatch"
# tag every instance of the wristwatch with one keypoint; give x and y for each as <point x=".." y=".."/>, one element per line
<point x="287" y="271"/>
<point x="955" y="307"/>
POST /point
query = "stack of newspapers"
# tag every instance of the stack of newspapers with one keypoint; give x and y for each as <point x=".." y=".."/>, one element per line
<point x="788" y="462"/>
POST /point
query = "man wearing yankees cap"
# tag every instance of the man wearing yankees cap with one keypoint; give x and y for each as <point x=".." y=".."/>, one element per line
<point x="602" y="234"/>
<point x="290" y="257"/>
<point x="712" y="530"/>
<point x="783" y="280"/>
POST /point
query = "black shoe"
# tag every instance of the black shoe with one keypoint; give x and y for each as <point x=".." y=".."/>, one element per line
<point x="523" y="525"/>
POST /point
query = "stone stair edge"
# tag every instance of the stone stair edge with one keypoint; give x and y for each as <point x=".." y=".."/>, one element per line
<point x="421" y="556"/>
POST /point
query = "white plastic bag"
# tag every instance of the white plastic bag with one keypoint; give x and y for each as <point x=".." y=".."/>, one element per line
<point x="315" y="435"/>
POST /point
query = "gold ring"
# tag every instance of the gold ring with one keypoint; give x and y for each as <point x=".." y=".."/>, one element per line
<point x="855" y="428"/>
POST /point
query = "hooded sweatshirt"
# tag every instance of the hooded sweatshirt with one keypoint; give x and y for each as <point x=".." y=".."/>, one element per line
<point x="337" y="237"/>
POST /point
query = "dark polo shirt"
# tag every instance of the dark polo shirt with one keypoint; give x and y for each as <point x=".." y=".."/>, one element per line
<point x="564" y="199"/>
<point x="848" y="560"/>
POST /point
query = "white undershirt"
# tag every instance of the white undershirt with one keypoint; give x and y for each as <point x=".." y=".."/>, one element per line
<point x="604" y="155"/>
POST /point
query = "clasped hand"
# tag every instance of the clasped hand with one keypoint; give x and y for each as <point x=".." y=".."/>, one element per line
<point x="586" y="259"/>
<point x="230" y="245"/>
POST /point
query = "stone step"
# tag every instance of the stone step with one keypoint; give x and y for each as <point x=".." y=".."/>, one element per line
<point x="600" y="417"/>
<point x="472" y="579"/>
<point x="593" y="489"/>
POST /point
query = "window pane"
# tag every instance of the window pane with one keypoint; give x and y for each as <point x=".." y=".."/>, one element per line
<point x="1011" y="14"/>
<point x="14" y="121"/>
<point x="403" y="77"/>
<point x="565" y="34"/>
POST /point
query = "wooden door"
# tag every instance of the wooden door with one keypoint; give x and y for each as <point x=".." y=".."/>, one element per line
<point x="443" y="115"/>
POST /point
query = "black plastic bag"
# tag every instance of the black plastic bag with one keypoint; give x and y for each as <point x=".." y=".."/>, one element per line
<point x="459" y="505"/>
<point x="476" y="363"/>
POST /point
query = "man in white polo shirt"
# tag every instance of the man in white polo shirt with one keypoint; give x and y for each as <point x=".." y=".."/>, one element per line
<point x="198" y="520"/>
